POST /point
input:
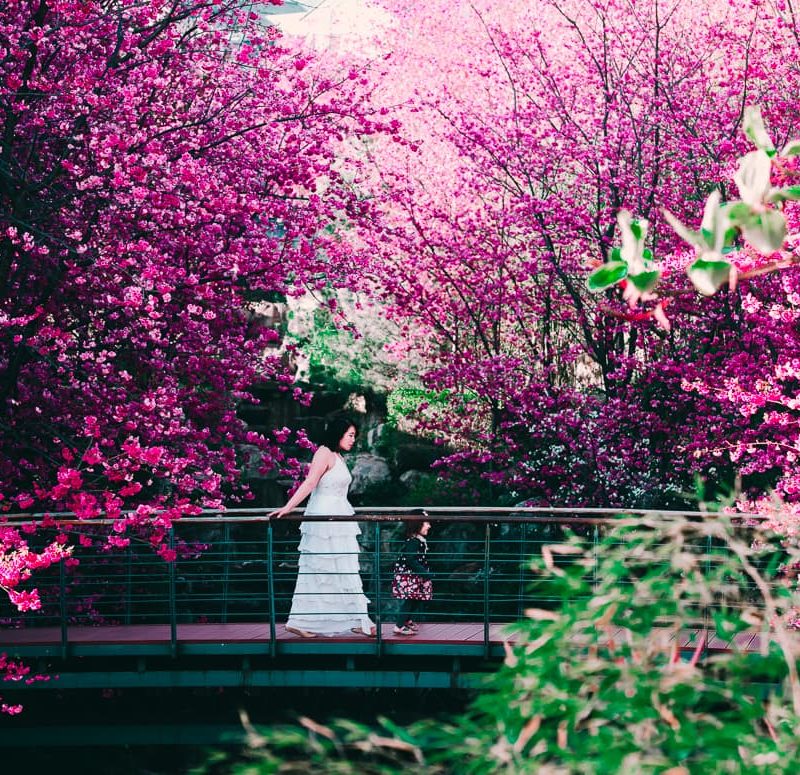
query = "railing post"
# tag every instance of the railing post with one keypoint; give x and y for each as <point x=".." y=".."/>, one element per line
<point x="62" y="581"/>
<point x="271" y="591"/>
<point x="707" y="618"/>
<point x="523" y="554"/>
<point x="596" y="554"/>
<point x="378" y="628"/>
<point x="486" y="558"/>
<point x="128" y="582"/>
<point x="173" y="609"/>
<point x="226" y="564"/>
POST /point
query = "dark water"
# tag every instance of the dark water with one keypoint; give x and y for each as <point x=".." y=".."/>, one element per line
<point x="171" y="732"/>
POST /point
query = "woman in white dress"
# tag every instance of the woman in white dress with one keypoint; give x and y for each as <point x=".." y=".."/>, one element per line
<point x="328" y="597"/>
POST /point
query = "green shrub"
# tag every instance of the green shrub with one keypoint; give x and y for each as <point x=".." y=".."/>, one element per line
<point x="599" y="684"/>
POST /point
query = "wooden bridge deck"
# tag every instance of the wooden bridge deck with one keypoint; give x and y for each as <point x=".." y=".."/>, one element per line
<point x="443" y="655"/>
<point x="80" y="639"/>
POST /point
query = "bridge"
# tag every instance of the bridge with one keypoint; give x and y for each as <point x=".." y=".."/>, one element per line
<point x="214" y="617"/>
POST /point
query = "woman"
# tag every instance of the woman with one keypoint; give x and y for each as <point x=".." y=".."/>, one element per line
<point x="328" y="597"/>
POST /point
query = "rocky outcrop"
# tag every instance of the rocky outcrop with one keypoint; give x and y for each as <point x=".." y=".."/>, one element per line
<point x="388" y="465"/>
<point x="369" y="471"/>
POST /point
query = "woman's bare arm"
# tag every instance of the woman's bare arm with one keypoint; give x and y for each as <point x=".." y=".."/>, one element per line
<point x="322" y="461"/>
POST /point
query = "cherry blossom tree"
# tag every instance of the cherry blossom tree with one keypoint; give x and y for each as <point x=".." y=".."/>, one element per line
<point x="562" y="117"/>
<point x="162" y="166"/>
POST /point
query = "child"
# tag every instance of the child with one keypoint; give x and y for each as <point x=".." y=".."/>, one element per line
<point x="412" y="583"/>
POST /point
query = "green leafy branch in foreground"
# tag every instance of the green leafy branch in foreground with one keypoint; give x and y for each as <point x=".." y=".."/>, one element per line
<point x="757" y="218"/>
<point x="597" y="683"/>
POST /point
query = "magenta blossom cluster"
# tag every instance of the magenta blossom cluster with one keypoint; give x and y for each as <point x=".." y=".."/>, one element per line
<point x="15" y="671"/>
<point x="18" y="562"/>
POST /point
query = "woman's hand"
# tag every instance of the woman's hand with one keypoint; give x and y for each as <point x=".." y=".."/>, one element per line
<point x="278" y="513"/>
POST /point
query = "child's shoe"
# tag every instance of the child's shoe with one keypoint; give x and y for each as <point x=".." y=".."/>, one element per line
<point x="412" y="625"/>
<point x="404" y="630"/>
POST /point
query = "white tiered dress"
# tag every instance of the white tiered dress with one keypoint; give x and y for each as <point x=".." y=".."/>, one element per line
<point x="328" y="597"/>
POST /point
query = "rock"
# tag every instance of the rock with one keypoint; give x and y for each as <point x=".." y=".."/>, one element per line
<point x="373" y="435"/>
<point x="369" y="471"/>
<point x="410" y="479"/>
<point x="252" y="459"/>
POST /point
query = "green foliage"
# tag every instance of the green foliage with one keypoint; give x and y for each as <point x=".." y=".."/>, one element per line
<point x="432" y="490"/>
<point x="341" y="748"/>
<point x="598" y="684"/>
<point x="787" y="194"/>
<point x="607" y="275"/>
<point x="709" y="275"/>
<point x="792" y="148"/>
<point x="324" y="346"/>
<point x="645" y="281"/>
<point x="344" y="344"/>
<point x="407" y="401"/>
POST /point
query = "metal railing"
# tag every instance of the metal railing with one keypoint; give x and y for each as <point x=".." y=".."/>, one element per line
<point x="240" y="566"/>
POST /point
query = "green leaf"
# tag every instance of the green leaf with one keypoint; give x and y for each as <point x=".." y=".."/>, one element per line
<point x="607" y="275"/>
<point x="633" y="233"/>
<point x="790" y="193"/>
<point x="767" y="232"/>
<point x="755" y="130"/>
<point x="713" y="225"/>
<point x="709" y="275"/>
<point x="730" y="236"/>
<point x="616" y="254"/>
<point x="792" y="148"/>
<point x="737" y="213"/>
<point x="645" y="281"/>
<point x="692" y="237"/>
<point x="711" y="236"/>
<point x="752" y="177"/>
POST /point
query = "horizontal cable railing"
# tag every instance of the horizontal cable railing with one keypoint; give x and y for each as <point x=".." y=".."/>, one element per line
<point x="394" y="513"/>
<point x="240" y="566"/>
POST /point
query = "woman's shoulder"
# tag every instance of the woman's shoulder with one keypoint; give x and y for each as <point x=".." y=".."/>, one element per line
<point x="323" y="457"/>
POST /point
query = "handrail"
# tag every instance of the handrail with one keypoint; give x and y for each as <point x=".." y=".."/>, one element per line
<point x="579" y="514"/>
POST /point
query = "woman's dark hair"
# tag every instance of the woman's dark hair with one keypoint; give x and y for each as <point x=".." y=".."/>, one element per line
<point x="335" y="428"/>
<point x="412" y="525"/>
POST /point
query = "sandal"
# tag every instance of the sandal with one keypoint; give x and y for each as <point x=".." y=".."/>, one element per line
<point x="358" y="631"/>
<point x="301" y="633"/>
<point x="412" y="625"/>
<point x="404" y="630"/>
